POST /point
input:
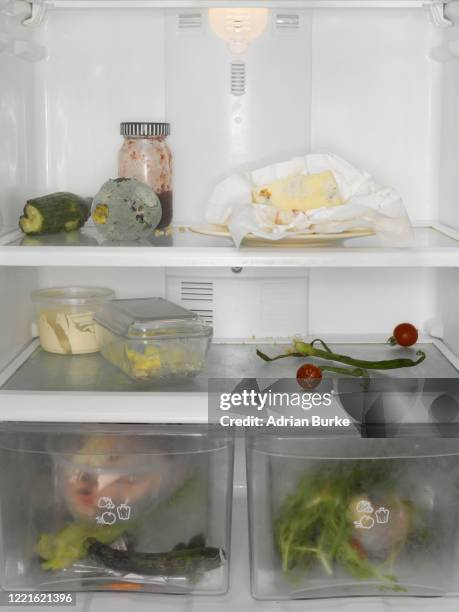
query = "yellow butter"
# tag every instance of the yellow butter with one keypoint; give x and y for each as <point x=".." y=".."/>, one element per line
<point x="300" y="192"/>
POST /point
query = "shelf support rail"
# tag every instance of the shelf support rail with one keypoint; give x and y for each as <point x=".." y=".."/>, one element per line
<point x="37" y="13"/>
<point x="437" y="8"/>
<point x="25" y="12"/>
<point x="438" y="13"/>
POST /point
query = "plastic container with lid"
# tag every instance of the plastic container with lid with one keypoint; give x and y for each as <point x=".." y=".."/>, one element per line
<point x="66" y="318"/>
<point x="145" y="156"/>
<point x="153" y="340"/>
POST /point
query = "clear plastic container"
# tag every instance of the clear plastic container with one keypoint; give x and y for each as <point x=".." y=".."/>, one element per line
<point x="146" y="156"/>
<point x="153" y="340"/>
<point x="65" y="318"/>
<point x="92" y="507"/>
<point x="336" y="517"/>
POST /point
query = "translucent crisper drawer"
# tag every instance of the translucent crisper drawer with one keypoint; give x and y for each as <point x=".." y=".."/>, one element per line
<point x="338" y="517"/>
<point x="91" y="507"/>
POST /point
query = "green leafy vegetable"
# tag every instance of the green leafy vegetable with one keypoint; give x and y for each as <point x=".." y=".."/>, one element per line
<point x="315" y="527"/>
<point x="70" y="544"/>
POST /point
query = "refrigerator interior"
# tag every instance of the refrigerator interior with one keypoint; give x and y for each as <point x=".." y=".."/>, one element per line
<point x="377" y="85"/>
<point x="248" y="308"/>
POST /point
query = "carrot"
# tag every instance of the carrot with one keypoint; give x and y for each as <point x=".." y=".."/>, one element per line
<point x="123" y="586"/>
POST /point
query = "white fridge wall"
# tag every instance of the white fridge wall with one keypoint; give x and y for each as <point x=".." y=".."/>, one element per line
<point x="245" y="303"/>
<point x="16" y="310"/>
<point x="359" y="82"/>
<point x="449" y="177"/>
<point x="103" y="67"/>
<point x="357" y="301"/>
<point x="374" y="97"/>
<point x="17" y="105"/>
<point x="126" y="282"/>
<point x="447" y="306"/>
<point x="216" y="133"/>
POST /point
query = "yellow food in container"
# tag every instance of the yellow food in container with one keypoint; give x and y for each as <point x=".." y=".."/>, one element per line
<point x="153" y="340"/>
<point x="66" y="318"/>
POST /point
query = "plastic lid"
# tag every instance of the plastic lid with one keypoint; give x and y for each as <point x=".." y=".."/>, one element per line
<point x="150" y="317"/>
<point x="144" y="129"/>
<point x="73" y="295"/>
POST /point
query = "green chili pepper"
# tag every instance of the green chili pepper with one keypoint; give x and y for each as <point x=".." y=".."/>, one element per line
<point x="305" y="349"/>
<point x="358" y="372"/>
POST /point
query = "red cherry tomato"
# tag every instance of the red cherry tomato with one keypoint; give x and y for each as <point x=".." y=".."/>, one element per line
<point x="309" y="376"/>
<point x="405" y="334"/>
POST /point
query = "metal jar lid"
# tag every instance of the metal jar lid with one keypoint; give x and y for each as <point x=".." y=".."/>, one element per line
<point x="144" y="129"/>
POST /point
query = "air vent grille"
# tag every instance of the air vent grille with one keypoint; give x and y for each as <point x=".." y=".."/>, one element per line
<point x="198" y="296"/>
<point x="287" y="22"/>
<point x="238" y="78"/>
<point x="189" y="22"/>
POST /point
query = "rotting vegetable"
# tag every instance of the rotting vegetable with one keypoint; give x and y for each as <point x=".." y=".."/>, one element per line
<point x="61" y="550"/>
<point x="358" y="367"/>
<point x="126" y="209"/>
<point x="316" y="525"/>
<point x="70" y="544"/>
<point x="54" y="213"/>
<point x="185" y="560"/>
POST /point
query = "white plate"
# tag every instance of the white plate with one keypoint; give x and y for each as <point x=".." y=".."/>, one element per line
<point x="288" y="240"/>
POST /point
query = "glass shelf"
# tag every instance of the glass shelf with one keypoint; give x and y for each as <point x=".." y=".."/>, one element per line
<point x="183" y="248"/>
<point x="44" y="387"/>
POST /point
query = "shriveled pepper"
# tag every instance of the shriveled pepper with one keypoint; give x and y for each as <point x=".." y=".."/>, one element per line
<point x="308" y="349"/>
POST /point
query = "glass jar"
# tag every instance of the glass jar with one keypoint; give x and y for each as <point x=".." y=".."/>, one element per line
<point x="145" y="156"/>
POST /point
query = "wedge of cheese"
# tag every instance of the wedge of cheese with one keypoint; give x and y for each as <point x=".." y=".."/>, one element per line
<point x="300" y="192"/>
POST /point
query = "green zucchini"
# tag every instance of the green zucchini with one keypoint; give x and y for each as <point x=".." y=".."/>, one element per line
<point x="181" y="562"/>
<point x="54" y="213"/>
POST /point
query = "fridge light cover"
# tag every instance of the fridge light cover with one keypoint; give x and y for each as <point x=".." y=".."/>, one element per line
<point x="238" y="26"/>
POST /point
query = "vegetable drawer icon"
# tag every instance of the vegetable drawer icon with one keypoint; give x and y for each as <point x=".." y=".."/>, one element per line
<point x="124" y="512"/>
<point x="382" y="516"/>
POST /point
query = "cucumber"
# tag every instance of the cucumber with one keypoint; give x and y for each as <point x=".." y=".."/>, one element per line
<point x="53" y="213"/>
<point x="184" y="562"/>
